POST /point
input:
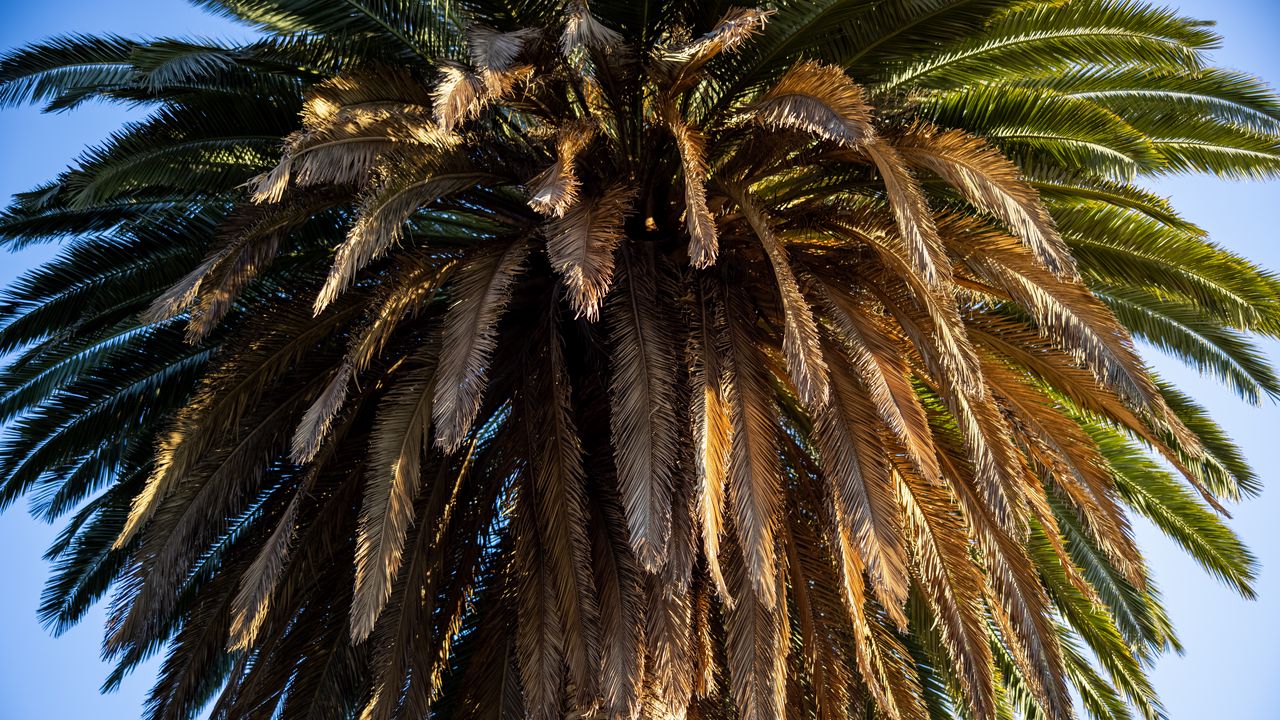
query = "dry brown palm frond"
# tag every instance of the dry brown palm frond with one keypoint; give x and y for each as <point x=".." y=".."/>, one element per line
<point x="682" y="62"/>
<point x="682" y="550"/>
<point x="902" y="675"/>
<point x="800" y="343"/>
<point x="705" y="663"/>
<point x="986" y="434"/>
<point x="867" y="655"/>
<point x="1074" y="466"/>
<point x="840" y="466"/>
<point x="581" y="246"/>
<point x="492" y="51"/>
<point x="834" y="675"/>
<point x="250" y="240"/>
<point x="756" y="643"/>
<point x="435" y="588"/>
<point x="1019" y="601"/>
<point x="817" y="99"/>
<point x="555" y="190"/>
<point x="507" y="703"/>
<point x="554" y="485"/>
<point x="622" y="616"/>
<point x="583" y="31"/>
<point x="704" y="245"/>
<point x="754" y="468"/>
<point x="642" y="417"/>
<point x="911" y="211"/>
<point x="404" y="186"/>
<point x="222" y="400"/>
<point x="886" y="377"/>
<point x="539" y="640"/>
<point x="991" y="182"/>
<point x="483" y="288"/>
<point x="826" y="575"/>
<point x="1025" y="346"/>
<point x="669" y="666"/>
<point x="945" y="348"/>
<point x="346" y="149"/>
<point x="860" y="481"/>
<point x="316" y="421"/>
<point x="988" y="442"/>
<point x="370" y="86"/>
<point x="460" y="95"/>
<point x="1046" y="522"/>
<point x="401" y="436"/>
<point x="1098" y="509"/>
<point x="183" y="294"/>
<point x="953" y="587"/>
<point x="219" y="290"/>
<point x="712" y="430"/>
<point x="270" y="187"/>
<point x="409" y="288"/>
<point x="348" y="122"/>
<point x="400" y="648"/>
<point x="260" y="579"/>
<point x="1068" y="314"/>
<point x="1063" y="371"/>
<point x="347" y="152"/>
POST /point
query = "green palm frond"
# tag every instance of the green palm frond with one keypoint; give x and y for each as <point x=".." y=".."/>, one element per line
<point x="1155" y="494"/>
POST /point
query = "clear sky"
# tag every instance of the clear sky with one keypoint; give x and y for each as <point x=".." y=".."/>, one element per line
<point x="1231" y="668"/>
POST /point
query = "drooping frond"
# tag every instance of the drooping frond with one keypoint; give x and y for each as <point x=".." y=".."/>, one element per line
<point x="642" y="418"/>
<point x="469" y="338"/>
<point x="712" y="430"/>
<point x="553" y="489"/>
<point x="953" y="588"/>
<point x="910" y="210"/>
<point x="754" y="471"/>
<point x="863" y="486"/>
<point x="555" y="190"/>
<point x="582" y="244"/>
<point x="400" y="191"/>
<point x="755" y="645"/>
<point x="401" y="436"/>
<point x="817" y="99"/>
<point x="800" y="334"/>
<point x="988" y="180"/>
<point x="704" y="244"/>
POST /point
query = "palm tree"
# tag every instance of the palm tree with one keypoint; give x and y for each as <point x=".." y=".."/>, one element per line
<point x="531" y="358"/>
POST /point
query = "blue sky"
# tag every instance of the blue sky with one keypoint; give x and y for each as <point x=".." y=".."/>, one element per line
<point x="1231" y="668"/>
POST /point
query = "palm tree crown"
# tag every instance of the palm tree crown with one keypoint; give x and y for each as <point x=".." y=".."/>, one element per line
<point x="657" y="358"/>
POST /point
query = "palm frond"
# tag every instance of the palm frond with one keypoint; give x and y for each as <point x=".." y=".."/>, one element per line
<point x="469" y="337"/>
<point x="642" y="420"/>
